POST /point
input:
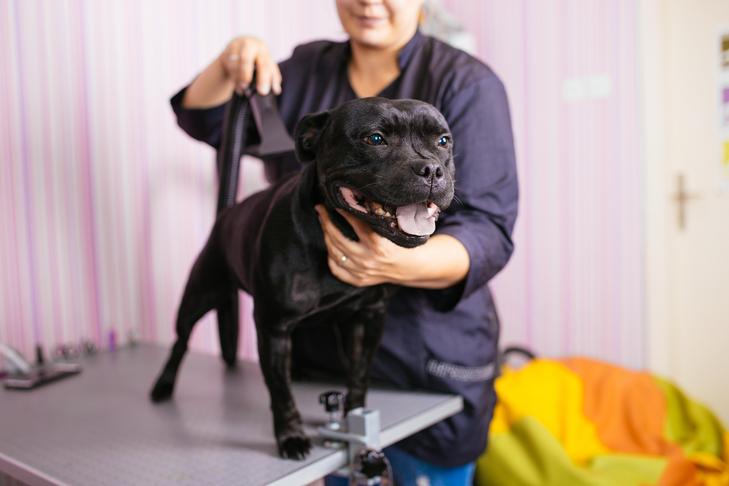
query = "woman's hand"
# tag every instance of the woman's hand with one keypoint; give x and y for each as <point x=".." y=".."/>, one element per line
<point x="244" y="55"/>
<point x="233" y="70"/>
<point x="439" y="263"/>
<point x="370" y="261"/>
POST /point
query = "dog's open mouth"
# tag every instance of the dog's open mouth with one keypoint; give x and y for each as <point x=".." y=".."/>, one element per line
<point x="417" y="219"/>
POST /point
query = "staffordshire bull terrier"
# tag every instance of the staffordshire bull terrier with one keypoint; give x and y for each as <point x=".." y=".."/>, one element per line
<point x="388" y="163"/>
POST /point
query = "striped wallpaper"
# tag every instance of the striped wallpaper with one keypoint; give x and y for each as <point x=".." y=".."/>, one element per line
<point x="575" y="283"/>
<point x="105" y="202"/>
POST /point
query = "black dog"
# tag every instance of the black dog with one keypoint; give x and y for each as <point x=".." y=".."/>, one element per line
<point x="389" y="163"/>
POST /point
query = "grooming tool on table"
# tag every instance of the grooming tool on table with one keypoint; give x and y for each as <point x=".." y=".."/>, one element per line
<point x="24" y="376"/>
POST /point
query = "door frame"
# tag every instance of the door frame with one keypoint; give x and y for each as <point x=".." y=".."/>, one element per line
<point x="657" y="206"/>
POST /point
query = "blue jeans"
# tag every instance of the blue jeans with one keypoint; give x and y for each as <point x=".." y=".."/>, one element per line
<point x="410" y="471"/>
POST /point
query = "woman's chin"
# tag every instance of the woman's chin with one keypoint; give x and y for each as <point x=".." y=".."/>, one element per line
<point x="375" y="36"/>
<point x="370" y="38"/>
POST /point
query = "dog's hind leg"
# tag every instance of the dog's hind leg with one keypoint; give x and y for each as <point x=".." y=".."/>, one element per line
<point x="204" y="290"/>
<point x="228" y="327"/>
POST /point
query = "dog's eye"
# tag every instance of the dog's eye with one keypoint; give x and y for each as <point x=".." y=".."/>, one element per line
<point x="375" y="139"/>
<point x="444" y="141"/>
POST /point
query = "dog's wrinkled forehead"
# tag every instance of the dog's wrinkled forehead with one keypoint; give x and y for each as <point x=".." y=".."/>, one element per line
<point x="387" y="116"/>
<point x="357" y="118"/>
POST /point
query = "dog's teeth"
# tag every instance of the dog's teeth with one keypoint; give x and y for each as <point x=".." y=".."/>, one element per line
<point x="379" y="211"/>
<point x="387" y="214"/>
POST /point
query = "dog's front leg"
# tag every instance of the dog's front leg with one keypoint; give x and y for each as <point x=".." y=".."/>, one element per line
<point x="364" y="337"/>
<point x="274" y="351"/>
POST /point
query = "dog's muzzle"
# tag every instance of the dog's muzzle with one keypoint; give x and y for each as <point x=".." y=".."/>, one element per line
<point x="416" y="219"/>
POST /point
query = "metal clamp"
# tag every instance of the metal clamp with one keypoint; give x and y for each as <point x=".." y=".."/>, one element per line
<point x="359" y="431"/>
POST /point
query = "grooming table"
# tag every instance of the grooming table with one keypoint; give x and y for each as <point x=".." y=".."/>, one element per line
<point x="100" y="428"/>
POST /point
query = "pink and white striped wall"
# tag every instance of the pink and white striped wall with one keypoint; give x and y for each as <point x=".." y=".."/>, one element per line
<point x="575" y="283"/>
<point x="105" y="202"/>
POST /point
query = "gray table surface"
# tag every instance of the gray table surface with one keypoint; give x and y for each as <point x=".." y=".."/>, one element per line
<point x="99" y="427"/>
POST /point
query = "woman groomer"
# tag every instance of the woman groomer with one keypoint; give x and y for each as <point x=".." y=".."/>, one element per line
<point x="441" y="330"/>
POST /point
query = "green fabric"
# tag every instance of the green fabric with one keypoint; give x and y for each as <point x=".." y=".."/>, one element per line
<point x="528" y="455"/>
<point x="628" y="469"/>
<point x="689" y="424"/>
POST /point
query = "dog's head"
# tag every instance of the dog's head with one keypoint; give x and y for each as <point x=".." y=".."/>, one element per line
<point x="387" y="162"/>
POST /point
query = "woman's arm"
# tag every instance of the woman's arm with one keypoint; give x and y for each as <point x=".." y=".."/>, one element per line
<point x="233" y="69"/>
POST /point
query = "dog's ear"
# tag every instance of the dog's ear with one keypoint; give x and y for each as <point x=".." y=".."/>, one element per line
<point x="307" y="135"/>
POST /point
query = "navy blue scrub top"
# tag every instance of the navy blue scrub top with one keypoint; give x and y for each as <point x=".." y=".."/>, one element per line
<point x="440" y="340"/>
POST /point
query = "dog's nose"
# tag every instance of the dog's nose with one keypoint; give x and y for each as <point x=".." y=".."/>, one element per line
<point x="428" y="171"/>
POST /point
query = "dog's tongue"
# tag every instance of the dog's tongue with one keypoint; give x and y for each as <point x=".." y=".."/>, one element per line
<point x="417" y="219"/>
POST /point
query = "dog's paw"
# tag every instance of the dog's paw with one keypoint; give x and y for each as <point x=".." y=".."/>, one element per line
<point x="162" y="391"/>
<point x="294" y="446"/>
